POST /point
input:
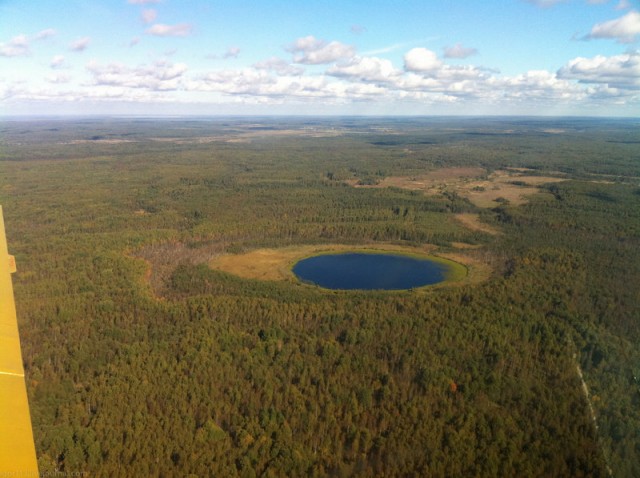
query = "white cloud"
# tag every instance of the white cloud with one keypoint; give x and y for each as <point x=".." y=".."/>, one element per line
<point x="274" y="81"/>
<point x="368" y="69"/>
<point x="427" y="98"/>
<point x="311" y="51"/>
<point x="258" y="83"/>
<point x="17" y="46"/>
<point x="245" y="81"/>
<point x="162" y="30"/>
<point x="279" y="66"/>
<point x="59" y="78"/>
<point x="362" y="92"/>
<point x="536" y="85"/>
<point x="427" y="75"/>
<point x="149" y="15"/>
<point x="620" y="71"/>
<point x="20" y="44"/>
<point x="604" y="92"/>
<point x="358" y="79"/>
<point x="423" y="79"/>
<point x="459" y="51"/>
<point x="142" y="2"/>
<point x="99" y="93"/>
<point x="452" y="81"/>
<point x="80" y="44"/>
<point x="232" y="52"/>
<point x="422" y="60"/>
<point x="57" y="61"/>
<point x="161" y="76"/>
<point x="41" y="35"/>
<point x="623" y="29"/>
<point x="20" y="93"/>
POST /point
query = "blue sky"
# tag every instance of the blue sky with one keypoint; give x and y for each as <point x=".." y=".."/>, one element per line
<point x="165" y="57"/>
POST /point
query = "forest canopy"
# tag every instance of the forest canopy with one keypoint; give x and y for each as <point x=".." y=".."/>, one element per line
<point x="142" y="360"/>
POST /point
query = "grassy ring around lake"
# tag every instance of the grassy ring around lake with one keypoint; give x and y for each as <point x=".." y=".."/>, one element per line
<point x="277" y="264"/>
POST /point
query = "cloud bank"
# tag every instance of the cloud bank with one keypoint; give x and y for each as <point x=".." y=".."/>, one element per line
<point x="623" y="29"/>
<point x="329" y="73"/>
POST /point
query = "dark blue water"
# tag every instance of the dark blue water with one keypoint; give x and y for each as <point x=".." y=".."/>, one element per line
<point x="369" y="271"/>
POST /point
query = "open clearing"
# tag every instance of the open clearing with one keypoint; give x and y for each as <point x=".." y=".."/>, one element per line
<point x="433" y="182"/>
<point x="275" y="264"/>
<point x="473" y="222"/>
<point x="514" y="185"/>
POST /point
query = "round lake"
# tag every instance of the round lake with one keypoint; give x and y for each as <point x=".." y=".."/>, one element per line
<point x="349" y="271"/>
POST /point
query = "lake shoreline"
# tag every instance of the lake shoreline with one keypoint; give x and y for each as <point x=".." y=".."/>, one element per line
<point x="277" y="264"/>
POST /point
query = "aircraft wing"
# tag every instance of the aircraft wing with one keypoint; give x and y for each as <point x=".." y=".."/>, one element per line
<point x="17" y="450"/>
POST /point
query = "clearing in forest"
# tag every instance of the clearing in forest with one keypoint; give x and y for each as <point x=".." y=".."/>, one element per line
<point x="514" y="185"/>
<point x="276" y="264"/>
<point x="473" y="222"/>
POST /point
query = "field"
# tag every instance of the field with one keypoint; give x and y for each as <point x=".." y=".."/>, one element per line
<point x="162" y="333"/>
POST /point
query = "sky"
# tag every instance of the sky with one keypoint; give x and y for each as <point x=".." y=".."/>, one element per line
<point x="320" y="57"/>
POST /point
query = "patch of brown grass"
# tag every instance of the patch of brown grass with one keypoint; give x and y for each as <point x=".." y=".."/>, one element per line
<point x="477" y="270"/>
<point x="263" y="264"/>
<point x="538" y="180"/>
<point x="275" y="264"/>
<point x="495" y="192"/>
<point x="431" y="181"/>
<point x="499" y="186"/>
<point x="473" y="222"/>
<point x="472" y="184"/>
<point x="446" y="174"/>
<point x="465" y="245"/>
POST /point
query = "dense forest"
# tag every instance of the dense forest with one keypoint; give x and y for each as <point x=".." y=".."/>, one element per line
<point x="141" y="360"/>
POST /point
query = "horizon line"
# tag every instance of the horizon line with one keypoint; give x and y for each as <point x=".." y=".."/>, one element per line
<point x="327" y="116"/>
